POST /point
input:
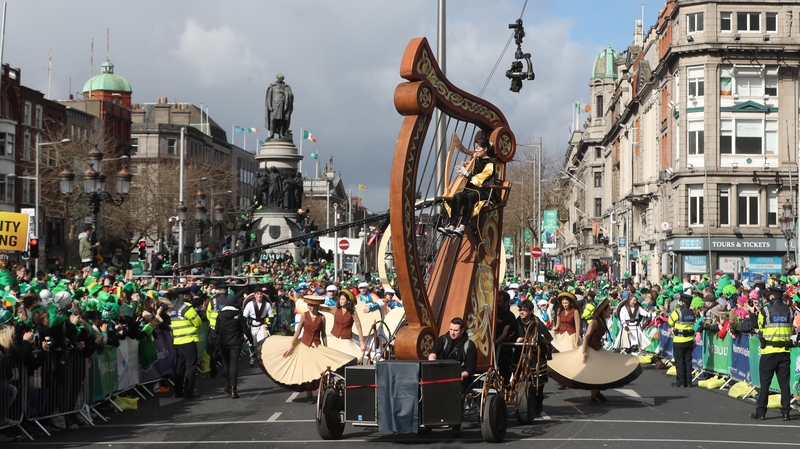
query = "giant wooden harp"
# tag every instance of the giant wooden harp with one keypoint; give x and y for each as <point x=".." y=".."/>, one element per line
<point x="442" y="277"/>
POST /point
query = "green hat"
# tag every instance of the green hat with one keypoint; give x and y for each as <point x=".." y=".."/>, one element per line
<point x="126" y="311"/>
<point x="130" y="287"/>
<point x="103" y="296"/>
<point x="94" y="289"/>
<point x="56" y="317"/>
<point x="728" y="291"/>
<point x="24" y="288"/>
<point x="110" y="311"/>
<point x="676" y="280"/>
<point x="697" y="302"/>
<point x="147" y="329"/>
<point x="5" y="316"/>
<point x="91" y="304"/>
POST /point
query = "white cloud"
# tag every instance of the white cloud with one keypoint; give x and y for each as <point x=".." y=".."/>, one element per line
<point x="215" y="56"/>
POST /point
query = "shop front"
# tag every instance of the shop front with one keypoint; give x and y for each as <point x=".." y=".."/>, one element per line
<point x="740" y="258"/>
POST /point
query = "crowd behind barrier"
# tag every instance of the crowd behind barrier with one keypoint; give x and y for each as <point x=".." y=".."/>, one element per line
<point x="735" y="357"/>
<point x="68" y="385"/>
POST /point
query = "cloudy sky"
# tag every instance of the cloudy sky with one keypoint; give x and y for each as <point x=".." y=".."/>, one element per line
<point x="341" y="59"/>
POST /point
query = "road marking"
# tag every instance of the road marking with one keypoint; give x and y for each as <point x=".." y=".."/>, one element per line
<point x="293" y="397"/>
<point x="274" y="417"/>
<point x="406" y="440"/>
<point x="208" y="423"/>
<point x="579" y="410"/>
<point x="628" y="392"/>
<point x="545" y="416"/>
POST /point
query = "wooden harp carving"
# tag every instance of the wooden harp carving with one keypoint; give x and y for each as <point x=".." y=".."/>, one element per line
<point x="460" y="278"/>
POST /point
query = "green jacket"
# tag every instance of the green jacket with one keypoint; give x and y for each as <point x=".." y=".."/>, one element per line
<point x="84" y="247"/>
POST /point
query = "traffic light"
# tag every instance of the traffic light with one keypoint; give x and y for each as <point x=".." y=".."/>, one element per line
<point x="142" y="250"/>
<point x="33" y="247"/>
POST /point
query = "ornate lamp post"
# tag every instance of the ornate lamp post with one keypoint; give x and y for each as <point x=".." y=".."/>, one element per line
<point x="94" y="185"/>
<point x="788" y="227"/>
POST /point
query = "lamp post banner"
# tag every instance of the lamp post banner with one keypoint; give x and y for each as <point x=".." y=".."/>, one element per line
<point x="549" y="228"/>
<point x="13" y="231"/>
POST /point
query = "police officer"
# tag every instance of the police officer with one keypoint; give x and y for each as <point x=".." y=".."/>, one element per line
<point x="682" y="321"/>
<point x="775" y="327"/>
<point x="185" y="322"/>
<point x="212" y="307"/>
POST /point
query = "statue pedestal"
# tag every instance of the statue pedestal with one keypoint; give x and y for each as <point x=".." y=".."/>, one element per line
<point x="273" y="226"/>
<point x="281" y="154"/>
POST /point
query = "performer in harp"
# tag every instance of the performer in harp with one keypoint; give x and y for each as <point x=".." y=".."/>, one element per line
<point x="476" y="191"/>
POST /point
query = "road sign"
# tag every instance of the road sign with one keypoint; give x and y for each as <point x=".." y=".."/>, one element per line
<point x="622" y="242"/>
<point x="536" y="252"/>
<point x="344" y="244"/>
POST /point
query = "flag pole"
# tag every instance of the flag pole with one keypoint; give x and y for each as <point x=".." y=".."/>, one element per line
<point x="233" y="136"/>
<point x="244" y="140"/>
<point x="300" y="164"/>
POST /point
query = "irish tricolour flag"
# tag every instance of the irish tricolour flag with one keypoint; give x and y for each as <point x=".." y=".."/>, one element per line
<point x="308" y="136"/>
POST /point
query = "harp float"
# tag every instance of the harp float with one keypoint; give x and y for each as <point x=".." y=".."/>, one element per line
<point x="441" y="277"/>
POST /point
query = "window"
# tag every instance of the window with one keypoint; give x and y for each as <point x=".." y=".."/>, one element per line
<point x="26" y="147"/>
<point x="695" y="137"/>
<point x="6" y="186"/>
<point x="772" y="206"/>
<point x="598" y="106"/>
<point x="694" y="22"/>
<point x="72" y="131"/>
<point x="27" y="117"/>
<point x="39" y="117"/>
<point x="696" y="89"/>
<point x="695" y="205"/>
<point x="748" y="21"/>
<point x="26" y="189"/>
<point x="749" y="82"/>
<point x="598" y="207"/>
<point x="772" y="22"/>
<point x="598" y="179"/>
<point x="170" y="146"/>
<point x="748" y="136"/>
<point x="724" y="205"/>
<point x="10" y="144"/>
<point x="771" y="82"/>
<point x="748" y="205"/>
<point x="134" y="146"/>
<point x="598" y="152"/>
<point x="725" y="21"/>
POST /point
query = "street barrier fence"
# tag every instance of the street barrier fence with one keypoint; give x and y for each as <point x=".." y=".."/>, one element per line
<point x="70" y="384"/>
<point x="735" y="356"/>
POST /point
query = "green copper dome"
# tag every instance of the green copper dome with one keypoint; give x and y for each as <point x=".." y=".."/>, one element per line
<point x="106" y="80"/>
<point x="605" y="65"/>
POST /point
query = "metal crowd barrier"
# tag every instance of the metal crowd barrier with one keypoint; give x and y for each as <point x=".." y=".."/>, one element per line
<point x="59" y="388"/>
<point x="13" y="394"/>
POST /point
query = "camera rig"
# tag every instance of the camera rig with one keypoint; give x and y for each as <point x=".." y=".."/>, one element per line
<point x="516" y="74"/>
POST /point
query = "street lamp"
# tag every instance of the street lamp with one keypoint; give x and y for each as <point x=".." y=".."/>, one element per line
<point x="37" y="199"/>
<point x="94" y="184"/>
<point x="329" y="175"/>
<point x="787" y="226"/>
<point x="200" y="212"/>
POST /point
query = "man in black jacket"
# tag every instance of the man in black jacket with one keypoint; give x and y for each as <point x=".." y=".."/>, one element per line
<point x="231" y="331"/>
<point x="456" y="345"/>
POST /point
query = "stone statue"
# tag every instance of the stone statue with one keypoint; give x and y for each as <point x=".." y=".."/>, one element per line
<point x="279" y="104"/>
<point x="275" y="189"/>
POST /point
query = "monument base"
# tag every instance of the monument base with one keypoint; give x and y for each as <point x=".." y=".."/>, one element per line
<point x="273" y="227"/>
<point x="279" y="153"/>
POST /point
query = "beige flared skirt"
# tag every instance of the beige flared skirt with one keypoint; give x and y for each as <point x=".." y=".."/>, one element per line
<point x="601" y="371"/>
<point x="302" y="368"/>
<point x="563" y="341"/>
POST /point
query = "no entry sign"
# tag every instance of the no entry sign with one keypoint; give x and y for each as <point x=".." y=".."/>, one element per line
<point x="344" y="244"/>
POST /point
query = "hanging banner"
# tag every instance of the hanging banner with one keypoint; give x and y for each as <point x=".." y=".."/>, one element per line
<point x="549" y="228"/>
<point x="755" y="361"/>
<point x="740" y="358"/>
<point x="166" y="358"/>
<point x="527" y="237"/>
<point x="127" y="364"/>
<point x="104" y="372"/>
<point x="664" y="341"/>
<point x="13" y="231"/>
<point x="697" y="355"/>
<point x="717" y="354"/>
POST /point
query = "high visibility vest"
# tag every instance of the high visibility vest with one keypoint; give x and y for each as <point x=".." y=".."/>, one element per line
<point x="211" y="313"/>
<point x="588" y="311"/>
<point x="185" y="322"/>
<point x="682" y="321"/>
<point x="775" y="324"/>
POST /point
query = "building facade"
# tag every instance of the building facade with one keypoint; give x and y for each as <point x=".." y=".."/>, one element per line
<point x="698" y="139"/>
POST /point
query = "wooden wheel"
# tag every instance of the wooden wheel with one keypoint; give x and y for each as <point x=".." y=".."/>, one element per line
<point x="427" y="262"/>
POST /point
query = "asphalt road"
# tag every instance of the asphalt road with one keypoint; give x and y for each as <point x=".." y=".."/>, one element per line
<point x="647" y="413"/>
